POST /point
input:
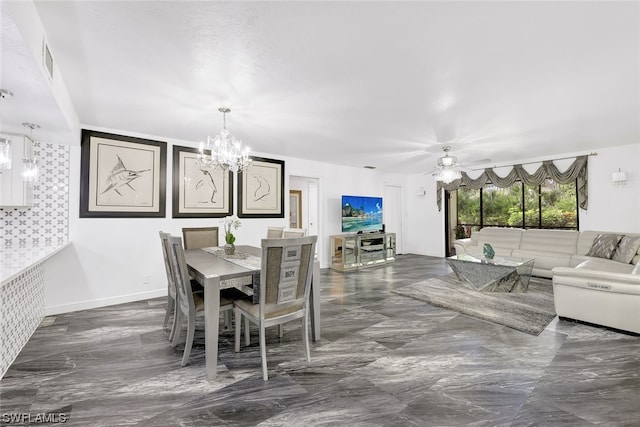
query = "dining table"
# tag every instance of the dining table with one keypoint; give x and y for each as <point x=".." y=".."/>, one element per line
<point x="215" y="270"/>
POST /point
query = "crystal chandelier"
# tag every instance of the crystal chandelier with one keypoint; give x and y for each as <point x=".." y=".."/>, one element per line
<point x="447" y="170"/>
<point x="30" y="171"/>
<point x="5" y="142"/>
<point x="225" y="150"/>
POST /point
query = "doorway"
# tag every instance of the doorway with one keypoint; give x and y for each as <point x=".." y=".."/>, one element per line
<point x="309" y="216"/>
<point x="392" y="212"/>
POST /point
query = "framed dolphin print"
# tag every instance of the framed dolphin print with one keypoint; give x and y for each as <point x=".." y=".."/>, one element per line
<point x="122" y="176"/>
<point x="261" y="189"/>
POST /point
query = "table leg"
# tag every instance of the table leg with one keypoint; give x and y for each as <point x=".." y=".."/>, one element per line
<point x="211" y="324"/>
<point x="315" y="302"/>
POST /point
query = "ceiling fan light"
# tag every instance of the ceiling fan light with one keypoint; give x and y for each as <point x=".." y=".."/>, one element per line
<point x="447" y="175"/>
<point x="447" y="161"/>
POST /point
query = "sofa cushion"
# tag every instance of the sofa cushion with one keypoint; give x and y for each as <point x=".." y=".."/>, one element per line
<point x="559" y="241"/>
<point x="498" y="237"/>
<point x="605" y="265"/>
<point x="627" y="249"/>
<point x="545" y="260"/>
<point x="636" y="270"/>
<point x="604" y="245"/>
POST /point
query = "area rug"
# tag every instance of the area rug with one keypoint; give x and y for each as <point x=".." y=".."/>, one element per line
<point x="529" y="312"/>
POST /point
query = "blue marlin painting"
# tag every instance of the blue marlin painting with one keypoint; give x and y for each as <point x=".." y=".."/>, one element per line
<point x="121" y="176"/>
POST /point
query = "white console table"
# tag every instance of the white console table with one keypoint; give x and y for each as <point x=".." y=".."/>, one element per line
<point x="351" y="251"/>
<point x="22" y="296"/>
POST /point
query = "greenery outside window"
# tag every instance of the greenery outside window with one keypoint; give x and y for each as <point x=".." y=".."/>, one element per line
<point x="549" y="205"/>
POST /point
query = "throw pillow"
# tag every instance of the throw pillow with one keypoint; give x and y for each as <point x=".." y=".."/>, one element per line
<point x="604" y="245"/>
<point x="636" y="270"/>
<point x="626" y="249"/>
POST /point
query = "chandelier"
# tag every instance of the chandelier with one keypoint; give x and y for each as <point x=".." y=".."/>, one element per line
<point x="447" y="170"/>
<point x="224" y="150"/>
<point x="5" y="142"/>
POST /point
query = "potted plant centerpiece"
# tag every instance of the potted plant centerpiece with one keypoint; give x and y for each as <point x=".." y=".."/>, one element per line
<point x="230" y="223"/>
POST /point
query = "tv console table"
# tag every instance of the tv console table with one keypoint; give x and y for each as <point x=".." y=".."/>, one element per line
<point x="352" y="251"/>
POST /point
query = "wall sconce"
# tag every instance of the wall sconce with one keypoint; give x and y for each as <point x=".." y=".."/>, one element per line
<point x="619" y="178"/>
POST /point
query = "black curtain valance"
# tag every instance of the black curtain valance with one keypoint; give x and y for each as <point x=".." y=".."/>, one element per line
<point x="577" y="170"/>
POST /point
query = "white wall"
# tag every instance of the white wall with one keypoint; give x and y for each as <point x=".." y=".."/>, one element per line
<point x="115" y="260"/>
<point x="611" y="207"/>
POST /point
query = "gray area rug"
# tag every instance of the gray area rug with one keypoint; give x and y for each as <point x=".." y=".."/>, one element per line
<point x="529" y="312"/>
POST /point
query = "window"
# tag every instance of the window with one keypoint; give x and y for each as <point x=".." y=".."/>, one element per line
<point x="550" y="205"/>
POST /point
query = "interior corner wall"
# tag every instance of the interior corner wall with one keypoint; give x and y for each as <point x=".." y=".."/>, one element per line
<point x="117" y="260"/>
<point x="425" y="222"/>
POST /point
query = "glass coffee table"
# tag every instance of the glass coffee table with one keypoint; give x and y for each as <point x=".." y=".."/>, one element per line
<point x="500" y="274"/>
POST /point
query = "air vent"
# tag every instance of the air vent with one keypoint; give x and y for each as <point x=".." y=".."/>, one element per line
<point x="47" y="59"/>
<point x="369" y="167"/>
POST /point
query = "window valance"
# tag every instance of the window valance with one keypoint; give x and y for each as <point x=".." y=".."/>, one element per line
<point x="576" y="171"/>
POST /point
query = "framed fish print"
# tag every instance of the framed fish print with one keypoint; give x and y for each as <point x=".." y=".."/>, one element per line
<point x="122" y="176"/>
<point x="197" y="192"/>
<point x="261" y="189"/>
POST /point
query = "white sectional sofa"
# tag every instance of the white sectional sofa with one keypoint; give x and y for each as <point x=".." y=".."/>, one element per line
<point x="592" y="289"/>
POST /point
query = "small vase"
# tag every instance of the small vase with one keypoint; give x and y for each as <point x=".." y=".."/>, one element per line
<point x="488" y="251"/>
<point x="229" y="249"/>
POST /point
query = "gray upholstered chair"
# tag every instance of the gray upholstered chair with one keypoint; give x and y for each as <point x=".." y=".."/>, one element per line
<point x="285" y="283"/>
<point x="294" y="232"/>
<point x="274" y="232"/>
<point x="188" y="304"/>
<point x="201" y="237"/>
<point x="170" y="313"/>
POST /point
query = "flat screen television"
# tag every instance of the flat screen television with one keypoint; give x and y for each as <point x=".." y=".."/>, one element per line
<point x="361" y="213"/>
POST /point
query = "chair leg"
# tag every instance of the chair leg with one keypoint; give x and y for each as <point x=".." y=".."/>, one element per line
<point x="238" y="316"/>
<point x="263" y="352"/>
<point x="171" y="306"/>
<point x="191" y="329"/>
<point x="247" y="332"/>
<point x="177" y="328"/>
<point x="280" y="331"/>
<point x="305" y="334"/>
<point x="227" y="319"/>
<point x="174" y="325"/>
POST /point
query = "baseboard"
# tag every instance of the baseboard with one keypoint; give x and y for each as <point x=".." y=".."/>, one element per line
<point x="87" y="305"/>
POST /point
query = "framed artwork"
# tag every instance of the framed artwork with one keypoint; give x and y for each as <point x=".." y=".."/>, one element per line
<point x="260" y="189"/>
<point x="199" y="193"/>
<point x="295" y="208"/>
<point x="122" y="176"/>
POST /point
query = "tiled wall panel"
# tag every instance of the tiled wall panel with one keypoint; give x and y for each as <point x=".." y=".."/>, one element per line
<point x="48" y="220"/>
<point x="21" y="311"/>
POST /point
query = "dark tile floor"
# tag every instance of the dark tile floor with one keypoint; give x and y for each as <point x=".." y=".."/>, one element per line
<point x="383" y="360"/>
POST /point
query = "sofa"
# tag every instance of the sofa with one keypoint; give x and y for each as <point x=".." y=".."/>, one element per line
<point x="591" y="283"/>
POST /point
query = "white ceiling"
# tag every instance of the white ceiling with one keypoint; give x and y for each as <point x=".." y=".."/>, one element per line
<point x="358" y="83"/>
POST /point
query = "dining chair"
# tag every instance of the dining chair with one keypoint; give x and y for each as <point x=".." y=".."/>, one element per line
<point x="294" y="232"/>
<point x="200" y="237"/>
<point x="170" y="313"/>
<point x="189" y="305"/>
<point x="274" y="232"/>
<point x="285" y="283"/>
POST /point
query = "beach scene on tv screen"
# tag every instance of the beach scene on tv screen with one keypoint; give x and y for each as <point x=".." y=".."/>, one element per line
<point x="361" y="214"/>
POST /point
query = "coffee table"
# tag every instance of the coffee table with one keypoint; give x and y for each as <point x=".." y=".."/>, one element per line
<point x="500" y="274"/>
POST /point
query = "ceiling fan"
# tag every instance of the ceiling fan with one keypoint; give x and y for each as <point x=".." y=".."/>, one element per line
<point x="448" y="168"/>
